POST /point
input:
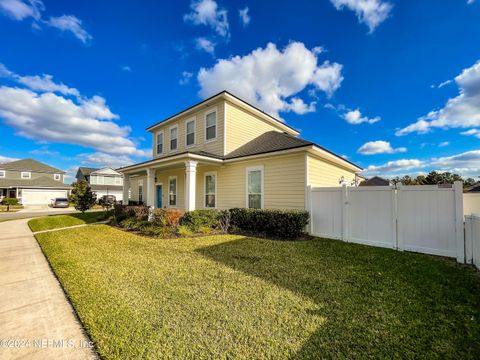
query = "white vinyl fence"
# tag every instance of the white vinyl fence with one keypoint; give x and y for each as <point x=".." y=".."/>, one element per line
<point x="427" y="219"/>
<point x="472" y="240"/>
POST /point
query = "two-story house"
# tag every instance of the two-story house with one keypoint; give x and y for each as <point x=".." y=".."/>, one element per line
<point x="105" y="181"/>
<point x="32" y="182"/>
<point x="224" y="153"/>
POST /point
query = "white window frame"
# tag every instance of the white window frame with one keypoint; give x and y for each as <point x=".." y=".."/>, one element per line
<point x="156" y="142"/>
<point x="262" y="177"/>
<point x="170" y="138"/>
<point x="57" y="177"/>
<point x="3" y="173"/>
<point x="210" y="173"/>
<point x="118" y="180"/>
<point x="176" y="192"/>
<point x="27" y="173"/>
<point x="98" y="180"/>
<point x="194" y="120"/>
<point x="140" y="185"/>
<point x="214" y="110"/>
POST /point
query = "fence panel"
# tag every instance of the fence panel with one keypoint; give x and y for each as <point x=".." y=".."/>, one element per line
<point x="326" y="212"/>
<point x="371" y="216"/>
<point x="426" y="220"/>
<point x="472" y="239"/>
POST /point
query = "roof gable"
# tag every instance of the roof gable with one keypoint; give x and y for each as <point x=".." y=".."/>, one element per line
<point x="105" y="171"/>
<point x="30" y="165"/>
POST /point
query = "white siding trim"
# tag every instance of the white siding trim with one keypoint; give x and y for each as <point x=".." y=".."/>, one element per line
<point x="224" y="128"/>
<point x="262" y="182"/>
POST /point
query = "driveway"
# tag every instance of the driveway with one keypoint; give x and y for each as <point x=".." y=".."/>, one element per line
<point x="35" y="210"/>
<point x="36" y="320"/>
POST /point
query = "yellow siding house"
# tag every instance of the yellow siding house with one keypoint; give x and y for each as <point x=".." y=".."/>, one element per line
<point x="223" y="153"/>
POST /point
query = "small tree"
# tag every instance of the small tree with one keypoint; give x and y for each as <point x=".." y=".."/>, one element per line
<point x="9" y="201"/>
<point x="82" y="196"/>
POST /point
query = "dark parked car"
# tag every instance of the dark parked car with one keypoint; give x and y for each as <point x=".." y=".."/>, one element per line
<point x="60" y="203"/>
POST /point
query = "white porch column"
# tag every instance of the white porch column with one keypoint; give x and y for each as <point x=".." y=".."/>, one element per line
<point x="126" y="188"/>
<point x="190" y="184"/>
<point x="150" y="187"/>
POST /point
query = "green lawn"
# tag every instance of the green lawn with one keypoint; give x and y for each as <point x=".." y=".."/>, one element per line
<point x="234" y="297"/>
<point x="60" y="221"/>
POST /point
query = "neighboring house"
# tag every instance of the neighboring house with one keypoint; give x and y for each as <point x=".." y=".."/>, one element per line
<point x="375" y="181"/>
<point x="32" y="182"/>
<point x="105" y="181"/>
<point x="471" y="200"/>
<point x="224" y="153"/>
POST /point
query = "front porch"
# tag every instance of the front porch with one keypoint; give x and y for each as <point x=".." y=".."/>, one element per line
<point x="186" y="183"/>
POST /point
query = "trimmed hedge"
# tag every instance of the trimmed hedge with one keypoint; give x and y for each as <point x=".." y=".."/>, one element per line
<point x="10" y="201"/>
<point x="288" y="224"/>
<point x="197" y="219"/>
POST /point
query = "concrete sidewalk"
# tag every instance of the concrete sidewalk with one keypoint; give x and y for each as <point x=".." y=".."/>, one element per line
<point x="36" y="319"/>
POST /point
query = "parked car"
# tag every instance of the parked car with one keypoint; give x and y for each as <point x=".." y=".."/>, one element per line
<point x="60" y="203"/>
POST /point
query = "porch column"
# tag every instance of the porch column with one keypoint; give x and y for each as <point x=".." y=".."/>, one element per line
<point x="126" y="188"/>
<point x="150" y="187"/>
<point x="190" y="184"/>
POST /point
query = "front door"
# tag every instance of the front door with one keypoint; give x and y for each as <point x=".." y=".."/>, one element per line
<point x="159" y="196"/>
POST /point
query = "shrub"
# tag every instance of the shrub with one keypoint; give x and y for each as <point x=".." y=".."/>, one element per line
<point x="184" y="231"/>
<point x="122" y="212"/>
<point x="204" y="230"/>
<point x="167" y="217"/>
<point x="224" y="220"/>
<point x="10" y="201"/>
<point x="288" y="224"/>
<point x="201" y="218"/>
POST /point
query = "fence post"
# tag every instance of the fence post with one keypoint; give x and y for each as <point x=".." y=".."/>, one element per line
<point x="398" y="194"/>
<point x="459" y="230"/>
<point x="345" y="220"/>
<point x="468" y="239"/>
<point x="395" y="218"/>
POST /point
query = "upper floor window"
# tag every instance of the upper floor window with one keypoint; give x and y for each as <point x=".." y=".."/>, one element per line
<point x="57" y="177"/>
<point x="174" y="138"/>
<point x="255" y="187"/>
<point x="172" y="191"/>
<point x="26" y="175"/>
<point x="189" y="133"/>
<point x="100" y="180"/>
<point x="2" y="173"/>
<point x="211" y="125"/>
<point x="159" y="143"/>
<point x="118" y="180"/>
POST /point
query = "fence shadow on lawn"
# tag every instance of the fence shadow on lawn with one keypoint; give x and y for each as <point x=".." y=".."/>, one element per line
<point x="376" y="302"/>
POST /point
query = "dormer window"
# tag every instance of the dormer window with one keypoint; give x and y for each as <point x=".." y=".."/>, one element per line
<point x="57" y="177"/>
<point x="211" y="126"/>
<point x="26" y="175"/>
<point x="174" y="138"/>
<point x="2" y="173"/>
<point x="190" y="133"/>
<point x="159" y="143"/>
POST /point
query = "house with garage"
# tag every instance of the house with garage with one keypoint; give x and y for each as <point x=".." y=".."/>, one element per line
<point x="223" y="152"/>
<point x="104" y="181"/>
<point x="32" y="182"/>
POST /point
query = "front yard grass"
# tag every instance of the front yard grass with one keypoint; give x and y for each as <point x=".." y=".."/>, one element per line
<point x="229" y="296"/>
<point x="60" y="221"/>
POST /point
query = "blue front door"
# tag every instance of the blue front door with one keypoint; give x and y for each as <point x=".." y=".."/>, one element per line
<point x="159" y="196"/>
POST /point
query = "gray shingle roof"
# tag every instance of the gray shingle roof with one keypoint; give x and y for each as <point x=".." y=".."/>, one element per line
<point x="472" y="189"/>
<point x="375" y="181"/>
<point x="86" y="171"/>
<point x="30" y="165"/>
<point x="268" y="142"/>
<point x="42" y="182"/>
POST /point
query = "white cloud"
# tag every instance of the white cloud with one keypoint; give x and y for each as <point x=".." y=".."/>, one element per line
<point x="471" y="132"/>
<point x="126" y="68"/>
<point x="268" y="77"/>
<point x="469" y="2"/>
<point x="462" y="111"/>
<point x="444" y="144"/>
<point x="244" y="16"/>
<point x="105" y="160"/>
<point x="207" y="12"/>
<point x="6" y="159"/>
<point x="185" y="79"/>
<point x="205" y="44"/>
<point x="379" y="147"/>
<point x="70" y="23"/>
<point x="20" y="10"/>
<point x="355" y="117"/>
<point x="370" y="12"/>
<point x="394" y="166"/>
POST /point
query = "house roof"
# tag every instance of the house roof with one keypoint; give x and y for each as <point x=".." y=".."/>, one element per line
<point x="30" y="165"/>
<point x="375" y="181"/>
<point x="235" y="98"/>
<point x="268" y="142"/>
<point x="472" y="189"/>
<point x="40" y="182"/>
<point x="85" y="171"/>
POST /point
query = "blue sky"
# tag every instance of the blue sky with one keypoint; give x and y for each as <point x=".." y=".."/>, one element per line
<point x="392" y="85"/>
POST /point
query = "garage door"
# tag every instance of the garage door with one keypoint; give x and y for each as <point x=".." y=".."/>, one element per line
<point x="39" y="197"/>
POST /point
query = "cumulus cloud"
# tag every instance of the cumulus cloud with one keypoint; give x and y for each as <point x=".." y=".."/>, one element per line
<point x="379" y="147"/>
<point x="205" y="44"/>
<point x="185" y="79"/>
<point x="370" y="12"/>
<point x="355" y="117"/>
<point x="394" y="166"/>
<point x="471" y="132"/>
<point x="207" y="12"/>
<point x="56" y="113"/>
<point x="72" y="24"/>
<point x="244" y="16"/>
<point x="104" y="160"/>
<point x="6" y="159"/>
<point x="462" y="111"/>
<point x="20" y="10"/>
<point x="269" y="77"/>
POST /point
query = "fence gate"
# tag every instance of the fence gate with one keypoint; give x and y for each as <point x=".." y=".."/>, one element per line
<point x="427" y="219"/>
